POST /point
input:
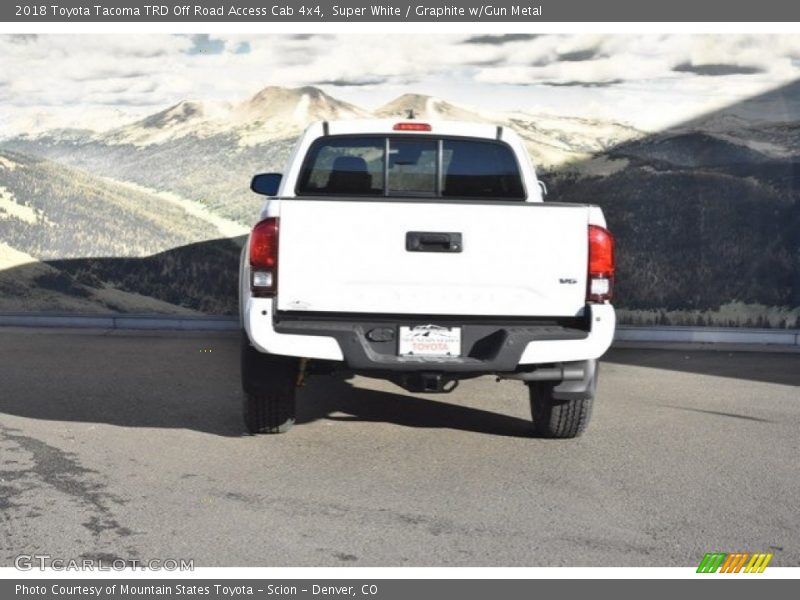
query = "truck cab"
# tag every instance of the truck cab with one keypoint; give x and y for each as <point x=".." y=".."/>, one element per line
<point x="422" y="253"/>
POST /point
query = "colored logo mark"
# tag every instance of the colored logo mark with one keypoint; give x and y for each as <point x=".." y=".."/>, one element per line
<point x="734" y="562"/>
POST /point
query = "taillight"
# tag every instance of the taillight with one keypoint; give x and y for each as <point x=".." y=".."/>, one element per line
<point x="411" y="127"/>
<point x="601" y="265"/>
<point x="264" y="258"/>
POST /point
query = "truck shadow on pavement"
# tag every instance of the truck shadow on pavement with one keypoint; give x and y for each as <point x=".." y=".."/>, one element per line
<point x="326" y="397"/>
<point x="191" y="381"/>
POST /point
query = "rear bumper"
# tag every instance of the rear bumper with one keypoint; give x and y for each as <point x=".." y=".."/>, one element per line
<point x="489" y="346"/>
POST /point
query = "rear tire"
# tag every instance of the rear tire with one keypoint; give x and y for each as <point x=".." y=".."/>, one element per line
<point x="269" y="385"/>
<point x="559" y="418"/>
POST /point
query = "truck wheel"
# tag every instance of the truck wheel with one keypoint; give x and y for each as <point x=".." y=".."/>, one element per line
<point x="554" y="418"/>
<point x="561" y="415"/>
<point x="269" y="384"/>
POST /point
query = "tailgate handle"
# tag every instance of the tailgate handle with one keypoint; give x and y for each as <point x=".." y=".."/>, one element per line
<point x="433" y="241"/>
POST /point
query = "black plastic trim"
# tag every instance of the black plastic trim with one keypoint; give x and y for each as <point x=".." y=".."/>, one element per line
<point x="489" y="345"/>
<point x="582" y="322"/>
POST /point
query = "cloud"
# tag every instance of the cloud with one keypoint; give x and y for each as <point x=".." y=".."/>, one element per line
<point x="106" y="74"/>
<point x="155" y="70"/>
<point x="587" y="84"/>
<point x="716" y="70"/>
<point x="499" y="40"/>
<point x="593" y="58"/>
<point x="203" y="43"/>
<point x="579" y="55"/>
<point x="23" y="38"/>
<point x="351" y="82"/>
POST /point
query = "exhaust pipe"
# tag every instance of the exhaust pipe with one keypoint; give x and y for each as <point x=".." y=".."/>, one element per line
<point x="568" y="372"/>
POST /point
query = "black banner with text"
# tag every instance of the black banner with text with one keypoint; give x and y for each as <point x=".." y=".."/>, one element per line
<point x="320" y="11"/>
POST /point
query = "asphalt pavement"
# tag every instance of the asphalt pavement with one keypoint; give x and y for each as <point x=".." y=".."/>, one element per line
<point x="130" y="445"/>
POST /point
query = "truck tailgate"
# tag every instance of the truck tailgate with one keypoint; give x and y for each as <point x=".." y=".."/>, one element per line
<point x="353" y="256"/>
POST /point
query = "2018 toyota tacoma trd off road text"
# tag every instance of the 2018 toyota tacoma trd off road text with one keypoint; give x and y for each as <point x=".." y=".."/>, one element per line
<point x="422" y="253"/>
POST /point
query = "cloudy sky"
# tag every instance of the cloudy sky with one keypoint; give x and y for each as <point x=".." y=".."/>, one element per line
<point x="649" y="81"/>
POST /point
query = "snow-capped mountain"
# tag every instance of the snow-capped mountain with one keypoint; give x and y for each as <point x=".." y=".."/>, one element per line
<point x="207" y="151"/>
<point x="553" y="140"/>
<point x="190" y="117"/>
<point x="429" y="107"/>
<point x="272" y="113"/>
<point x="68" y="122"/>
<point x="277" y="112"/>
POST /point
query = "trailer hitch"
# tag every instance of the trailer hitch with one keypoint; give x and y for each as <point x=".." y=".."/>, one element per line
<point x="427" y="382"/>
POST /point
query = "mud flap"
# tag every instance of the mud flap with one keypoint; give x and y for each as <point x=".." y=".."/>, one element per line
<point x="578" y="389"/>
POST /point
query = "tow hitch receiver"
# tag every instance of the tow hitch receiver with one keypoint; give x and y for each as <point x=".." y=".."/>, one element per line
<point x="427" y="382"/>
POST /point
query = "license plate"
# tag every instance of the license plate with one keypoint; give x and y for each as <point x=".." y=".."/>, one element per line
<point x="430" y="340"/>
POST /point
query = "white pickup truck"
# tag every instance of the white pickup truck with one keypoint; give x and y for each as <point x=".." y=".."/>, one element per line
<point x="422" y="253"/>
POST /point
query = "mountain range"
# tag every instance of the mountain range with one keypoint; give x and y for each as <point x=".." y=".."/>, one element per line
<point x="74" y="242"/>
<point x="227" y="142"/>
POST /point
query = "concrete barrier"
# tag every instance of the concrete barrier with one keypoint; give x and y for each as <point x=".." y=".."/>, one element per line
<point x="708" y="335"/>
<point x="140" y="322"/>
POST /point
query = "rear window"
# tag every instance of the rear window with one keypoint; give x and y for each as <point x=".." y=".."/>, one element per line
<point x="410" y="166"/>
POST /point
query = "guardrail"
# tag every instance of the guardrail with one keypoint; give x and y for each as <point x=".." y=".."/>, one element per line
<point x="625" y="333"/>
<point x="141" y="322"/>
<point x="708" y="335"/>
